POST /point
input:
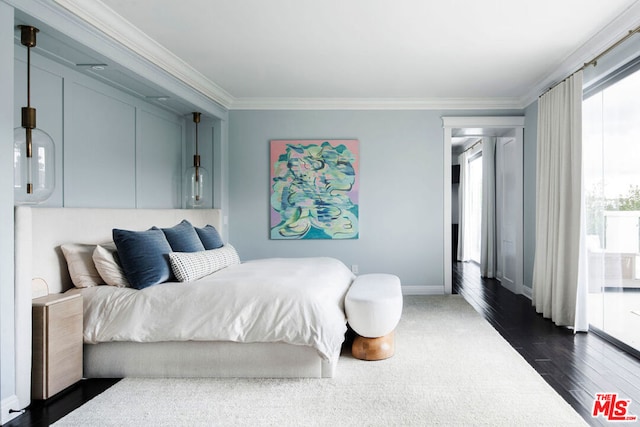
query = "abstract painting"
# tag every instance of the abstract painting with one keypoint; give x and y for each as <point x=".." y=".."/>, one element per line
<point x="314" y="189"/>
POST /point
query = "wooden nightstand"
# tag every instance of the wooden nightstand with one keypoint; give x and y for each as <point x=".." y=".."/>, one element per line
<point x="57" y="344"/>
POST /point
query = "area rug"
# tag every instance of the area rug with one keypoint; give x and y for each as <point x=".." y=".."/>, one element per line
<point x="450" y="368"/>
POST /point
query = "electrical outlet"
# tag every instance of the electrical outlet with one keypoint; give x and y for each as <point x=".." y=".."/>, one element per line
<point x="354" y="268"/>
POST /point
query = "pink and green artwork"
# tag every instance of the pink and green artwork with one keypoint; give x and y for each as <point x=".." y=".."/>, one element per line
<point x="314" y="189"/>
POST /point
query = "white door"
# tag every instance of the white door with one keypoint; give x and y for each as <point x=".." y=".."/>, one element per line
<point x="509" y="201"/>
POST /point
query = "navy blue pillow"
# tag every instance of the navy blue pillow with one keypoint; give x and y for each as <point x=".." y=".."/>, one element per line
<point x="183" y="238"/>
<point x="144" y="256"/>
<point x="210" y="237"/>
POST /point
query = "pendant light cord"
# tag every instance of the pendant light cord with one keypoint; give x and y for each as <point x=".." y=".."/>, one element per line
<point x="28" y="76"/>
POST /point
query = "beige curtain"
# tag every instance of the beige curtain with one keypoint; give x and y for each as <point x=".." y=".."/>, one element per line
<point x="558" y="202"/>
<point x="488" y="250"/>
<point x="464" y="203"/>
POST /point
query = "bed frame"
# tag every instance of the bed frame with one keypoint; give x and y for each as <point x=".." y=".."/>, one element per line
<point x="39" y="232"/>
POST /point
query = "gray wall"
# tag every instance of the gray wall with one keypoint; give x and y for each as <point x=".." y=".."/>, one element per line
<point x="401" y="187"/>
<point x="530" y="144"/>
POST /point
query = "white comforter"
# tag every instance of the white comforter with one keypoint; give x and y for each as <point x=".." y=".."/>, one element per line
<point x="293" y="300"/>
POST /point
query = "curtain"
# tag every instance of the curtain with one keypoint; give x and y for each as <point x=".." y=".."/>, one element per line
<point x="488" y="252"/>
<point x="559" y="203"/>
<point x="464" y="206"/>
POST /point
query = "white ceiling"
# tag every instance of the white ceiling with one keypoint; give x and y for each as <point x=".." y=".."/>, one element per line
<point x="252" y="51"/>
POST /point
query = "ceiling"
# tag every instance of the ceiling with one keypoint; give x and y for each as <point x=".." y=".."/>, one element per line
<point x="456" y="52"/>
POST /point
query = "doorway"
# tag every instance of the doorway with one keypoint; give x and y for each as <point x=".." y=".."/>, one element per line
<point x="508" y="132"/>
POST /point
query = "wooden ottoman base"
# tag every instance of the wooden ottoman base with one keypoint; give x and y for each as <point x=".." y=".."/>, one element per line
<point x="373" y="348"/>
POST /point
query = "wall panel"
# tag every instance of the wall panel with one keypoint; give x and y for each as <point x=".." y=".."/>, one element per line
<point x="99" y="154"/>
<point x="158" y="161"/>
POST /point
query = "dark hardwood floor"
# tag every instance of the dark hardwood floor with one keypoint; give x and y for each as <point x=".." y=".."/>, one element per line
<point x="577" y="366"/>
<point x="46" y="412"/>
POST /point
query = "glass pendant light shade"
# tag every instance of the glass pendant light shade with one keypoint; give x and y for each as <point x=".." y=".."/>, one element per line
<point x="34" y="176"/>
<point x="195" y="183"/>
<point x="196" y="177"/>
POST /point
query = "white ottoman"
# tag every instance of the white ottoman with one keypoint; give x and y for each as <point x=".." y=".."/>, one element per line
<point x="373" y="306"/>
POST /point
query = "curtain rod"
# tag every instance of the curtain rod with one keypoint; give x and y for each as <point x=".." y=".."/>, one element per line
<point x="472" y="145"/>
<point x="594" y="61"/>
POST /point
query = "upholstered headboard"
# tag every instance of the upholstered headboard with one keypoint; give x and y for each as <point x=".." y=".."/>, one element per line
<point x="39" y="232"/>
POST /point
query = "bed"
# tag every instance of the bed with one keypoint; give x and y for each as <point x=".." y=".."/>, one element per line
<point x="234" y="321"/>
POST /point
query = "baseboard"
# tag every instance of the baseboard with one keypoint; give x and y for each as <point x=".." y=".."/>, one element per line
<point x="516" y="289"/>
<point x="9" y="405"/>
<point x="423" y="290"/>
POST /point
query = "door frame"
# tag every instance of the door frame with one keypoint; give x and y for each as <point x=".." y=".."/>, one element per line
<point x="449" y="124"/>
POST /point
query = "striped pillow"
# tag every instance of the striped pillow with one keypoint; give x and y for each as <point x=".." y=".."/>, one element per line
<point x="189" y="266"/>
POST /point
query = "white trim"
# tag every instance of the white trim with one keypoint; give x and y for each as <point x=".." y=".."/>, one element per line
<point x="483" y="122"/>
<point x="447" y="261"/>
<point x="526" y="292"/>
<point x="375" y="104"/>
<point x="512" y="287"/>
<point x="115" y="26"/>
<point x="10" y="403"/>
<point x="611" y="33"/>
<point x="423" y="290"/>
<point x="449" y="123"/>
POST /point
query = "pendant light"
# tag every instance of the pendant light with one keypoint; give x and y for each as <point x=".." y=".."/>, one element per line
<point x="196" y="177"/>
<point x="33" y="149"/>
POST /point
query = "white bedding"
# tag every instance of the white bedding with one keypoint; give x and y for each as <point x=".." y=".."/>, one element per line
<point x="298" y="301"/>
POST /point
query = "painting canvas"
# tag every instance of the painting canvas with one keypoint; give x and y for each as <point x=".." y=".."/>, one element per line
<point x="314" y="189"/>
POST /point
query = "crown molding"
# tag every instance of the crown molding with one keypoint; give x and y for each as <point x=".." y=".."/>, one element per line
<point x="376" y="104"/>
<point x="483" y="122"/>
<point x="116" y="27"/>
<point x="607" y="36"/>
<point x="112" y="25"/>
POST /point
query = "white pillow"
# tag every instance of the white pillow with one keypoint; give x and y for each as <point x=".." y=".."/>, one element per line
<point x="104" y="258"/>
<point x="80" y="264"/>
<point x="188" y="266"/>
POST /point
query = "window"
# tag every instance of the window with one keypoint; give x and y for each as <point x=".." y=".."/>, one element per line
<point x="611" y="153"/>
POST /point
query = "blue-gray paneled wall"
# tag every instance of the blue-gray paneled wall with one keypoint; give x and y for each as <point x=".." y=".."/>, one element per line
<point x="112" y="149"/>
<point x="99" y="149"/>
<point x="158" y="161"/>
